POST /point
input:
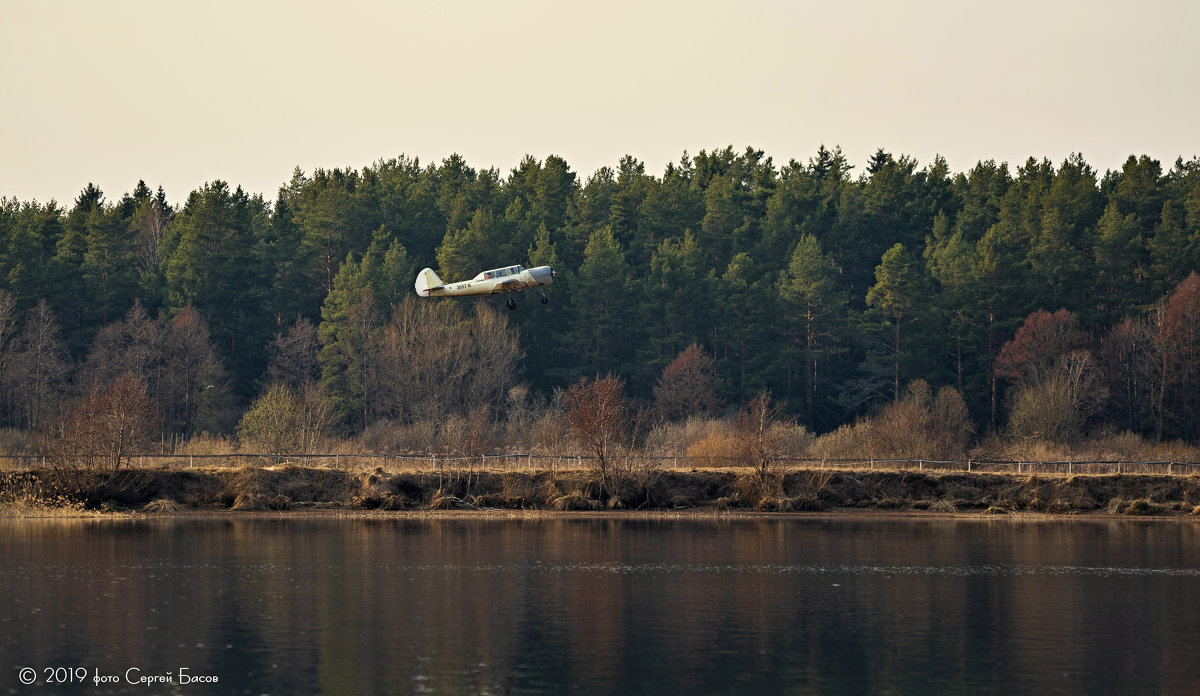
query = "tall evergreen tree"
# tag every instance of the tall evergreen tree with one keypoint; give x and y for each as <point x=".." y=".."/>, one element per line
<point x="896" y="295"/>
<point x="108" y="268"/>
<point x="601" y="329"/>
<point x="466" y="252"/>
<point x="743" y="329"/>
<point x="811" y="301"/>
<point x="1174" y="249"/>
<point x="215" y="261"/>
<point x="348" y="319"/>
<point x="677" y="293"/>
<point x="1119" y="249"/>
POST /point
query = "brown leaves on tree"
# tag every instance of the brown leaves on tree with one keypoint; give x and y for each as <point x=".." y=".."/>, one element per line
<point x="687" y="386"/>
<point x="1181" y="326"/>
<point x="1041" y="341"/>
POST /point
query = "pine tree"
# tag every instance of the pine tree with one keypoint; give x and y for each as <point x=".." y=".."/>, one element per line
<point x="108" y="269"/>
<point x="744" y="327"/>
<point x="811" y="300"/>
<point x="676" y="292"/>
<point x="216" y="262"/>
<point x="348" y="319"/>
<point x="1174" y="250"/>
<point x="1119" y="249"/>
<point x="469" y="251"/>
<point x="948" y="260"/>
<point x="601" y="329"/>
<point x="896" y="295"/>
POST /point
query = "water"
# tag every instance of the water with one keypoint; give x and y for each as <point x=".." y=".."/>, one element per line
<point x="595" y="606"/>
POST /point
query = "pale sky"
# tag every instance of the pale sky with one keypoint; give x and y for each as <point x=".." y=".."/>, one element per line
<point x="180" y="93"/>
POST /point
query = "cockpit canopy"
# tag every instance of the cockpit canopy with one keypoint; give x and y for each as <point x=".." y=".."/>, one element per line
<point x="500" y="273"/>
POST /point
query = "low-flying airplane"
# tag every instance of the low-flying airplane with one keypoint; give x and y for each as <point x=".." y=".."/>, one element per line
<point x="493" y="282"/>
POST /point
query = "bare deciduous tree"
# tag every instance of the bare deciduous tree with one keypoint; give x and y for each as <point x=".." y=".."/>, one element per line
<point x="136" y="344"/>
<point x="150" y="222"/>
<point x="104" y="429"/>
<point x="760" y="429"/>
<point x="194" y="388"/>
<point x="430" y="358"/>
<point x="8" y="328"/>
<point x="316" y="418"/>
<point x="293" y="354"/>
<point x="596" y="413"/>
<point x="41" y="365"/>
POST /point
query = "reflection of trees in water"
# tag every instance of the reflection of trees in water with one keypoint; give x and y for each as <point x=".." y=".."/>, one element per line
<point x="614" y="605"/>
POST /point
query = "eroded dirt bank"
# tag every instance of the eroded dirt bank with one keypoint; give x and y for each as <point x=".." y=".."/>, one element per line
<point x="302" y="488"/>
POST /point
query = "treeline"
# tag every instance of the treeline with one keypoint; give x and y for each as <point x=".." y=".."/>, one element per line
<point x="1048" y="290"/>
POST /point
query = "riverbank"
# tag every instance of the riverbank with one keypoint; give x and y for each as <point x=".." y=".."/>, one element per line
<point x="295" y="488"/>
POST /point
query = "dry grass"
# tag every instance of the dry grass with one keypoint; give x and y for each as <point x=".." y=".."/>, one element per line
<point x="162" y="505"/>
<point x="23" y="494"/>
<point x="943" y="506"/>
<point x="1111" y="447"/>
<point x="575" y="500"/>
<point x="206" y="444"/>
<point x="634" y="483"/>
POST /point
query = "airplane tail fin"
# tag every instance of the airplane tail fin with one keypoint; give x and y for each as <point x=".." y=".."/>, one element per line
<point x="428" y="280"/>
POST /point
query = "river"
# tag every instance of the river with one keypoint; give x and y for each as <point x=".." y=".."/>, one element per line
<point x="549" y="605"/>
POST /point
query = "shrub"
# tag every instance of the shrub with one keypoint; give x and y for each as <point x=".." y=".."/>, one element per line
<point x="715" y="449"/>
<point x="14" y="441"/>
<point x="677" y="438"/>
<point x="922" y="425"/>
<point x="1044" y="411"/>
<point x="473" y="436"/>
<point x="847" y="442"/>
<point x="104" y="429"/>
<point x="388" y="437"/>
<point x="283" y="422"/>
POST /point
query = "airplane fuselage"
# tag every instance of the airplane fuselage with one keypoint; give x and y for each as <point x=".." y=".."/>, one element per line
<point x="493" y="282"/>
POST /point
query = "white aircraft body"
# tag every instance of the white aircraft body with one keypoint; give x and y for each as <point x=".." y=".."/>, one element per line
<point x="493" y="282"/>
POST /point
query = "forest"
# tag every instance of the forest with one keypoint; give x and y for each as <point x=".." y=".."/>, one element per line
<point x="1049" y="302"/>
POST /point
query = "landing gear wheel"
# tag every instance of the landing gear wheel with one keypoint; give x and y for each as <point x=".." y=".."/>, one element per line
<point x="511" y="304"/>
<point x="545" y="300"/>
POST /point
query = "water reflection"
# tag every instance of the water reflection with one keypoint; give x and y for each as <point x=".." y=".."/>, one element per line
<point x="609" y="606"/>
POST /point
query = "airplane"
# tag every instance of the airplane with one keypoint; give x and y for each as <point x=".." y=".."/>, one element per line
<point x="493" y="282"/>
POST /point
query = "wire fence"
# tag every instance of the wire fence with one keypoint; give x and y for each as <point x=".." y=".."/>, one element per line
<point x="530" y="461"/>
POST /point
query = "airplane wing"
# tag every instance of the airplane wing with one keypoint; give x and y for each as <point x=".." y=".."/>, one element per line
<point x="508" y="286"/>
